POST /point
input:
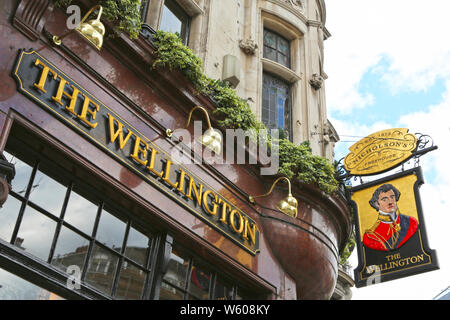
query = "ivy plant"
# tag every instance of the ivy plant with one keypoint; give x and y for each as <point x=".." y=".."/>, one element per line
<point x="124" y="14"/>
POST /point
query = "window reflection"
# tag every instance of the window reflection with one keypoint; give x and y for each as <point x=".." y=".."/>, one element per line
<point x="36" y="233"/>
<point x="101" y="270"/>
<point x="71" y="249"/>
<point x="276" y="105"/>
<point x="170" y="22"/>
<point x="8" y="217"/>
<point x="22" y="177"/>
<point x="111" y="231"/>
<point x="200" y="282"/>
<point x="131" y="282"/>
<point x="223" y="290"/>
<point x="13" y="287"/>
<point x="177" y="270"/>
<point x="137" y="246"/>
<point x="174" y="19"/>
<point x="81" y="213"/>
<point x="276" y="48"/>
<point x="47" y="193"/>
<point x="168" y="292"/>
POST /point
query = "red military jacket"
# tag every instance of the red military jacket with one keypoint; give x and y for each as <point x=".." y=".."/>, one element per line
<point x="386" y="235"/>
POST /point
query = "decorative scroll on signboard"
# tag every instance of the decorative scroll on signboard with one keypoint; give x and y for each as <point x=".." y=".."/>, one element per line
<point x="390" y="229"/>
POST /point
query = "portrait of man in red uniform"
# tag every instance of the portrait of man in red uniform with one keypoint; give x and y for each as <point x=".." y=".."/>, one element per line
<point x="392" y="229"/>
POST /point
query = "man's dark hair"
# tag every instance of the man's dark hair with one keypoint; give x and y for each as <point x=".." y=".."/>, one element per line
<point x="384" y="188"/>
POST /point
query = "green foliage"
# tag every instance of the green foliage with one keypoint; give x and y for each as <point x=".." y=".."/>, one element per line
<point x="173" y="54"/>
<point x="125" y="14"/>
<point x="297" y="161"/>
<point x="349" y="247"/>
<point x="232" y="111"/>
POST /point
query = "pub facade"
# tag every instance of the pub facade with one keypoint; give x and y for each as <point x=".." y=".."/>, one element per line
<point x="97" y="202"/>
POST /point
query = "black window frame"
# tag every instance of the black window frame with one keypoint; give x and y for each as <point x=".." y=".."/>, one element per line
<point x="36" y="161"/>
<point x="28" y="146"/>
<point x="215" y="274"/>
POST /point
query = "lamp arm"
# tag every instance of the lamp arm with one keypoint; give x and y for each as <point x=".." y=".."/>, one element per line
<point x="100" y="10"/>
<point x="205" y="112"/>
<point x="251" y="198"/>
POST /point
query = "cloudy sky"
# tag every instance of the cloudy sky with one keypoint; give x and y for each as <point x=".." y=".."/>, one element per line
<point x="388" y="64"/>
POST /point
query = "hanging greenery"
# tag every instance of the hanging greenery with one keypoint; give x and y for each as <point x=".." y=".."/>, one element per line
<point x="124" y="14"/>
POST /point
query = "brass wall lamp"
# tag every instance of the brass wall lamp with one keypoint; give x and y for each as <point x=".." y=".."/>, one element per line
<point x="212" y="139"/>
<point x="93" y="30"/>
<point x="288" y="205"/>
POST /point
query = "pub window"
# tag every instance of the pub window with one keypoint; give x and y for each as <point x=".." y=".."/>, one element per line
<point x="69" y="226"/>
<point x="189" y="277"/>
<point x="167" y="15"/>
<point x="276" y="105"/>
<point x="175" y="20"/>
<point x="276" y="48"/>
<point x="53" y="221"/>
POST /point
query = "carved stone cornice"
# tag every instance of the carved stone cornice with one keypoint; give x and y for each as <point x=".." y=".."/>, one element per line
<point x="249" y="46"/>
<point x="31" y="15"/>
<point x="296" y="4"/>
<point x="297" y="7"/>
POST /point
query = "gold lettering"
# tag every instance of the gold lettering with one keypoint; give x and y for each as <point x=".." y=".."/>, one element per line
<point x="232" y="221"/>
<point x="181" y="181"/>
<point x="72" y="97"/>
<point x="166" y="177"/>
<point x="151" y="166"/>
<point x="85" y="110"/>
<point x="250" y="231"/>
<point x="223" y="217"/>
<point x="212" y="211"/>
<point x="119" y="132"/>
<point x="44" y="75"/>
<point x="198" y="191"/>
<point x="138" y="150"/>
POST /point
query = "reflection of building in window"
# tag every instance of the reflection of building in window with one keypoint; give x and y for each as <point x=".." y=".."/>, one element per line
<point x="169" y="15"/>
<point x="276" y="105"/>
<point x="189" y="278"/>
<point x="175" y="19"/>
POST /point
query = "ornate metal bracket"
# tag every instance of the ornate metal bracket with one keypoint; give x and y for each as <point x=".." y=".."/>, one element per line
<point x="425" y="144"/>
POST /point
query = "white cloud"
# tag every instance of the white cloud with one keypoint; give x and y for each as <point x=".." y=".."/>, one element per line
<point x="435" y="192"/>
<point x="408" y="34"/>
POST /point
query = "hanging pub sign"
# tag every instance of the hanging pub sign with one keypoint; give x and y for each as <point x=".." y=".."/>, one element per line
<point x="380" y="151"/>
<point x="390" y="229"/>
